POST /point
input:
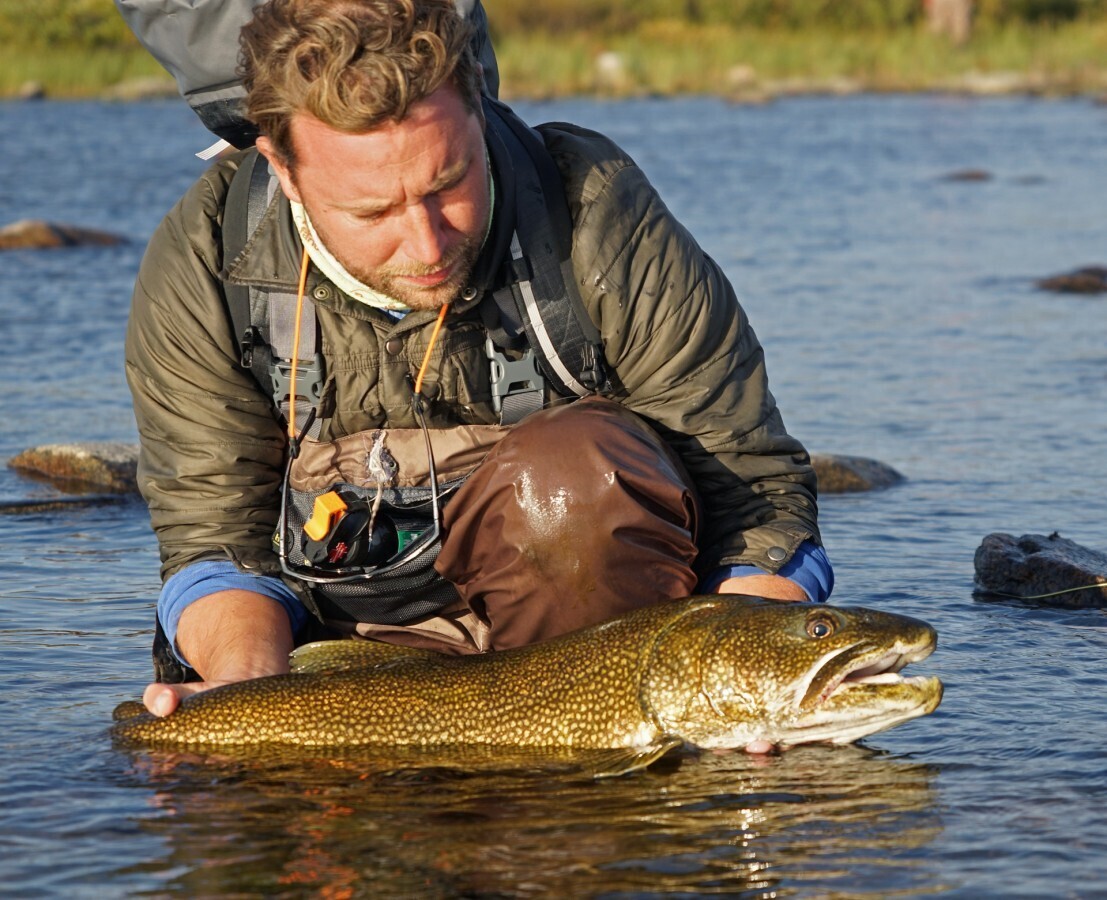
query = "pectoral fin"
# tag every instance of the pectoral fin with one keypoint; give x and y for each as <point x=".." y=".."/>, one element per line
<point x="621" y="760"/>
<point x="343" y="655"/>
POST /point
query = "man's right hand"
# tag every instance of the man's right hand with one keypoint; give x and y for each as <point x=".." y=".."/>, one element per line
<point x="228" y="636"/>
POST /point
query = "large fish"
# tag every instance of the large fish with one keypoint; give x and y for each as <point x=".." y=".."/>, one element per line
<point x="717" y="671"/>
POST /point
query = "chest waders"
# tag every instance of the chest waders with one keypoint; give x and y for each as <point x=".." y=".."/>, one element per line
<point x="359" y="520"/>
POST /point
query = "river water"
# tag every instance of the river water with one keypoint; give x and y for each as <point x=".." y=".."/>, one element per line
<point x="900" y="321"/>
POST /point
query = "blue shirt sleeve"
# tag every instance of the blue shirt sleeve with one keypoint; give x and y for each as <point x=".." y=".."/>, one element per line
<point x="809" y="567"/>
<point x="203" y="578"/>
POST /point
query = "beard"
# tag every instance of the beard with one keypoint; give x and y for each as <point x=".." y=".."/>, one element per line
<point x="388" y="280"/>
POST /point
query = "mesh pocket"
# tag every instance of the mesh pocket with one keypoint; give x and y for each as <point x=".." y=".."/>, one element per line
<point x="389" y="594"/>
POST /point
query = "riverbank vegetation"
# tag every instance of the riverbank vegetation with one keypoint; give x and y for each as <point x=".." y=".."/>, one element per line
<point x="745" y="49"/>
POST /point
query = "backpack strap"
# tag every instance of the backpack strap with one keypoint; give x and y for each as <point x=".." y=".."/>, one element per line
<point x="542" y="293"/>
<point x="264" y="318"/>
<point x="239" y="222"/>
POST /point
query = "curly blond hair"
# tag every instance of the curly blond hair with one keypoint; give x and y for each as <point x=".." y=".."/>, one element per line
<point x="352" y="64"/>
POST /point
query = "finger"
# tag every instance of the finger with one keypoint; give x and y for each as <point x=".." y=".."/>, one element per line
<point x="163" y="699"/>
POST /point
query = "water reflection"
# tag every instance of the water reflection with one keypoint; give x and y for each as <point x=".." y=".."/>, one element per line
<point x="815" y="818"/>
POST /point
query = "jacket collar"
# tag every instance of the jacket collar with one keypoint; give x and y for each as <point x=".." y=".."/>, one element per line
<point x="271" y="258"/>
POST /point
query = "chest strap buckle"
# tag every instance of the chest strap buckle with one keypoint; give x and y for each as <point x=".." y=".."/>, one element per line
<point x="518" y="388"/>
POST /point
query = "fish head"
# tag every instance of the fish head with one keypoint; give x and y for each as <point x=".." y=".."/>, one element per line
<point x="742" y="669"/>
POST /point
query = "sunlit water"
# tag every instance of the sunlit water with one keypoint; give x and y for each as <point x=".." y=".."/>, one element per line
<point x="900" y="322"/>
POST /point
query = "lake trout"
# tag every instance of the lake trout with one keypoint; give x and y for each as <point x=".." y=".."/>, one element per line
<point x="717" y="671"/>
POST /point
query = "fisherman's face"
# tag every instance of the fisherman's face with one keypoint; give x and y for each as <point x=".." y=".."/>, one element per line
<point x="404" y="207"/>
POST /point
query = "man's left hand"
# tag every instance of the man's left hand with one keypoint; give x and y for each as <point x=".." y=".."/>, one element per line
<point x="771" y="587"/>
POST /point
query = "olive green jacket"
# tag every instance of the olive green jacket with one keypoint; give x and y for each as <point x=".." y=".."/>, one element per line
<point x="678" y="345"/>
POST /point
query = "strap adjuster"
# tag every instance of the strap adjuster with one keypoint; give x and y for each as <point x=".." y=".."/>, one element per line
<point x="519" y="379"/>
<point x="309" y="379"/>
<point x="251" y="337"/>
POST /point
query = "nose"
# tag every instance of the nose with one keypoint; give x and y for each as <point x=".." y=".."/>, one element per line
<point x="425" y="232"/>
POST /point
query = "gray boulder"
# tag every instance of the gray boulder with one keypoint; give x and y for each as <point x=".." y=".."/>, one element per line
<point x="31" y="90"/>
<point x="1089" y="280"/>
<point x="851" y="474"/>
<point x="107" y="466"/>
<point x="35" y="234"/>
<point x="1051" y="570"/>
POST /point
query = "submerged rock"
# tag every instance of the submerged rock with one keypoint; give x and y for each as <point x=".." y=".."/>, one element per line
<point x="60" y="504"/>
<point x="968" y="175"/>
<point x="1047" y="569"/>
<point x="35" y="234"/>
<point x="851" y="474"/>
<point x="1089" y="280"/>
<point x="109" y="466"/>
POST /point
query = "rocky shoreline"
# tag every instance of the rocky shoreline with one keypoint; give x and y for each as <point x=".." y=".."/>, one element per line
<point x="611" y="77"/>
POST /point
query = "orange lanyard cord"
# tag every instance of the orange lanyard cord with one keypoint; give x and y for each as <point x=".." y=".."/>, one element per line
<point x="430" y="346"/>
<point x="296" y="346"/>
<point x="300" y="288"/>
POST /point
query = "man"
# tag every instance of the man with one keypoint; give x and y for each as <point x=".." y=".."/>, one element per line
<point x="403" y="212"/>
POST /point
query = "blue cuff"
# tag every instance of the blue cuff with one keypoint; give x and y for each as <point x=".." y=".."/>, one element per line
<point x="809" y="567"/>
<point x="203" y="578"/>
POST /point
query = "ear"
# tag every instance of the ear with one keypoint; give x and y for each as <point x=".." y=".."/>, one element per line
<point x="284" y="173"/>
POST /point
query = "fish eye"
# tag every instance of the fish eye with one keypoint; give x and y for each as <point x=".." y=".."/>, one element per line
<point x="820" y="625"/>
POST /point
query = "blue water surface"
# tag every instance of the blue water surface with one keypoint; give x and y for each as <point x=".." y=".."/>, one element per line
<point x="901" y="322"/>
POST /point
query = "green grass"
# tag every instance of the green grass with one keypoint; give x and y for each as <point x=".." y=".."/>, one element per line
<point x="670" y="56"/>
<point x="75" y="72"/>
<point x="674" y="57"/>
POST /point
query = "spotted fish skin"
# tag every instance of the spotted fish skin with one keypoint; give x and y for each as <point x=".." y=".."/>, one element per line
<point x="717" y="670"/>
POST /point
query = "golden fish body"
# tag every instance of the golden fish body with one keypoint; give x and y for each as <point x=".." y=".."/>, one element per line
<point x="711" y="671"/>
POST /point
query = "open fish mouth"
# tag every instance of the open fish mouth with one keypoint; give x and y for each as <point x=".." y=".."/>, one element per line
<point x="858" y="691"/>
<point x="861" y="664"/>
<point x="883" y="670"/>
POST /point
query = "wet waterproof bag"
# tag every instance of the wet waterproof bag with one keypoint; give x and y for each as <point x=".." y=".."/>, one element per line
<point x="197" y="42"/>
